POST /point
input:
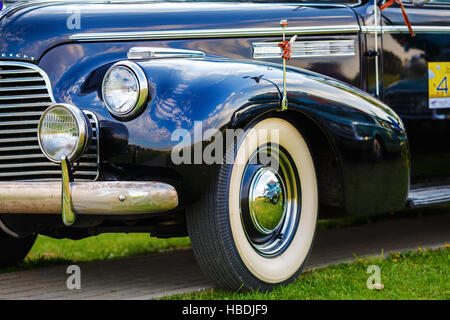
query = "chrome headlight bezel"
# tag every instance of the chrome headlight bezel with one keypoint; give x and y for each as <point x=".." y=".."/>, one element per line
<point x="140" y="103"/>
<point x="84" y="132"/>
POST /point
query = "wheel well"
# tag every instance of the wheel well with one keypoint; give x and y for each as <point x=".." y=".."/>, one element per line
<point x="328" y="169"/>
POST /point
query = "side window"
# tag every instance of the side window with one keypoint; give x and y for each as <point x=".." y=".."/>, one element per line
<point x="422" y="2"/>
<point x="438" y="1"/>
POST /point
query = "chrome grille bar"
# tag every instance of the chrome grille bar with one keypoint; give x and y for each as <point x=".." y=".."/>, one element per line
<point x="24" y="86"/>
<point x="45" y="172"/>
<point x="18" y="139"/>
<point x="26" y="105"/>
<point x="19" y="71"/>
<point x="13" y="80"/>
<point x="21" y="114"/>
<point x="18" y="122"/>
<point x="24" y="156"/>
<point x="21" y="148"/>
<point x="40" y="164"/>
<point x="21" y="97"/>
<point x="15" y="131"/>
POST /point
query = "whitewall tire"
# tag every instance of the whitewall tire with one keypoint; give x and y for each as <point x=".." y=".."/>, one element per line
<point x="255" y="227"/>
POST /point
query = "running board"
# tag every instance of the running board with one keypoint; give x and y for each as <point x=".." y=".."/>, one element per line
<point x="428" y="196"/>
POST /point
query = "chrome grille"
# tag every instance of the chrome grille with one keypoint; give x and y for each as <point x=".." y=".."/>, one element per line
<point x="25" y="93"/>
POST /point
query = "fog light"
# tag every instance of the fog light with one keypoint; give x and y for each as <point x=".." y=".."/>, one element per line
<point x="64" y="130"/>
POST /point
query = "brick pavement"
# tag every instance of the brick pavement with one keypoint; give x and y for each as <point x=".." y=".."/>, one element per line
<point x="156" y="275"/>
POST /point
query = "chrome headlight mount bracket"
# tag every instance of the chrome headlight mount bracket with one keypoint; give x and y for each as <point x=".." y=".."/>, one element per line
<point x="67" y="211"/>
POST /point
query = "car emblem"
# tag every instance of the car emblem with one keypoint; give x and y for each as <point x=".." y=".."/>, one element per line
<point x="16" y="56"/>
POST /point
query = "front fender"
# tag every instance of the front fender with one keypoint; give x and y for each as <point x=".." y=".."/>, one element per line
<point x="369" y="140"/>
<point x="223" y="94"/>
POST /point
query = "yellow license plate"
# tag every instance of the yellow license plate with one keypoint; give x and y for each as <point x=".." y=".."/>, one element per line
<point x="438" y="85"/>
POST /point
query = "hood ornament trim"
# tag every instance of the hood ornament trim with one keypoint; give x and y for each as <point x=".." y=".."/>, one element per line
<point x="144" y="53"/>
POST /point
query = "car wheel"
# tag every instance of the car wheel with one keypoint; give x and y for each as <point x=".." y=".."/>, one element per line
<point x="13" y="250"/>
<point x="274" y="200"/>
<point x="240" y="238"/>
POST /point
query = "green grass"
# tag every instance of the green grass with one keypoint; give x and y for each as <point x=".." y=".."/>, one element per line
<point x="104" y="246"/>
<point x="411" y="275"/>
<point x="265" y="215"/>
<point x="47" y="251"/>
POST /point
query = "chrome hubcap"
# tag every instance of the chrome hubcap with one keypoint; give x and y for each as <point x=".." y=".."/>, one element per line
<point x="266" y="200"/>
<point x="270" y="200"/>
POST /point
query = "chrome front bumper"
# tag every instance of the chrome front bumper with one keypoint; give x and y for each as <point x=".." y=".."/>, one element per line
<point x="100" y="197"/>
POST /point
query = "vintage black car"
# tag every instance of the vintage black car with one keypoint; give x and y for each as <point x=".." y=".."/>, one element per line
<point x="182" y="118"/>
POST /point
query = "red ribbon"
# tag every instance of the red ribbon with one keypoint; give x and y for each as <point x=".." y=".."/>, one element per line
<point x="405" y="16"/>
<point x="287" y="49"/>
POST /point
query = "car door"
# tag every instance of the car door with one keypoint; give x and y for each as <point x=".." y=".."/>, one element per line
<point x="414" y="73"/>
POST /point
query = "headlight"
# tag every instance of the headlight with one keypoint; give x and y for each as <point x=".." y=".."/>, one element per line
<point x="63" y="130"/>
<point x="125" y="89"/>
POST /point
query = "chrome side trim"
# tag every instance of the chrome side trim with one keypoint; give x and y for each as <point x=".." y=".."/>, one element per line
<point x="398" y="29"/>
<point x="428" y="196"/>
<point x="93" y="197"/>
<point x="248" y="32"/>
<point x="305" y="49"/>
<point x="377" y="71"/>
<point x="144" y="53"/>
<point x="210" y="33"/>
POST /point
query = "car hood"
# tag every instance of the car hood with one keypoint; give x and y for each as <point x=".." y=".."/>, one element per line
<point x="30" y="28"/>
